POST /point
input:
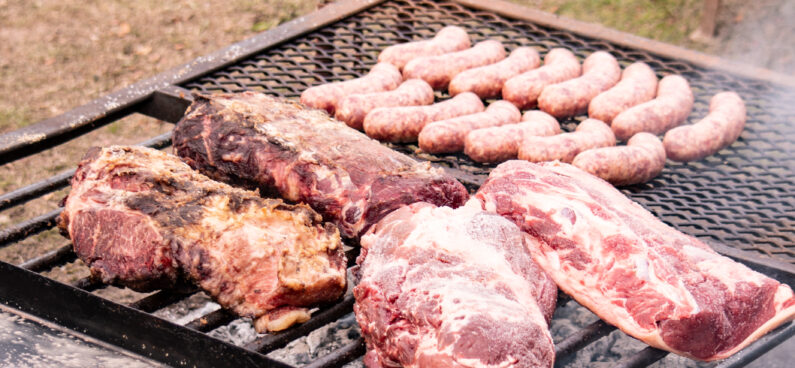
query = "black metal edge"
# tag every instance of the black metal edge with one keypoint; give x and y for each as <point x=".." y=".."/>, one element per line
<point x="49" y="132"/>
<point x="759" y="347"/>
<point x="598" y="31"/>
<point x="130" y="329"/>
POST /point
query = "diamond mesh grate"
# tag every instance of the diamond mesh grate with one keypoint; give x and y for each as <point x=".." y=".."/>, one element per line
<point x="744" y="196"/>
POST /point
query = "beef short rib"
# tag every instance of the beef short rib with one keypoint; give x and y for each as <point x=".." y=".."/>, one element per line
<point x="452" y="288"/>
<point x="142" y="218"/>
<point x="280" y="147"/>
<point x="663" y="287"/>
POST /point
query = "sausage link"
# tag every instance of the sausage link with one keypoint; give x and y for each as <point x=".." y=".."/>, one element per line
<point x="501" y="143"/>
<point x="523" y="90"/>
<point x="448" y="39"/>
<point x="642" y="159"/>
<point x="591" y="133"/>
<point x="382" y="77"/>
<point x="671" y="107"/>
<point x="448" y="135"/>
<point x="487" y="81"/>
<point x="404" y="123"/>
<point x="638" y="84"/>
<point x="439" y="70"/>
<point x="720" y="128"/>
<point x="354" y="108"/>
<point x="600" y="71"/>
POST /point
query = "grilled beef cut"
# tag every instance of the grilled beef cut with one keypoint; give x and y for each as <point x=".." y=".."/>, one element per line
<point x="142" y="218"/>
<point x="452" y="288"/>
<point x="661" y="286"/>
<point x="258" y="141"/>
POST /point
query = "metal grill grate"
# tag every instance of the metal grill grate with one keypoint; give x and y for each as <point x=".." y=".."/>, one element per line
<point x="742" y="197"/>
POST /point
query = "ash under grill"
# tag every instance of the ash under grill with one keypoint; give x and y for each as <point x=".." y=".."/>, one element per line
<point x="742" y="197"/>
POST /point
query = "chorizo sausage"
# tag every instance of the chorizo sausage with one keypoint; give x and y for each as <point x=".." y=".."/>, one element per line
<point x="642" y="159"/>
<point x="501" y="143"/>
<point x="354" y="108"/>
<point x="591" y="133"/>
<point x="404" y="123"/>
<point x="523" y="90"/>
<point x="440" y="69"/>
<point x="487" y="81"/>
<point x="638" y="84"/>
<point x="720" y="128"/>
<point x="448" y="39"/>
<point x="382" y="77"/>
<point x="600" y="71"/>
<point x="448" y="135"/>
<point x="671" y="107"/>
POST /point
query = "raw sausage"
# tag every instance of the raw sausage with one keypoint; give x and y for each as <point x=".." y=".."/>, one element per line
<point x="642" y="159"/>
<point x="671" y="107"/>
<point x="448" y="39"/>
<point x="382" y="77"/>
<point x="448" y="135"/>
<point x="497" y="144"/>
<point x="439" y="70"/>
<point x="404" y="123"/>
<point x="354" y="108"/>
<point x="523" y="90"/>
<point x="720" y="128"/>
<point x="600" y="71"/>
<point x="638" y="84"/>
<point x="487" y="81"/>
<point x="591" y="133"/>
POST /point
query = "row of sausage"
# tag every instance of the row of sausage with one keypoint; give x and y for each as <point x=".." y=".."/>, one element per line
<point x="394" y="105"/>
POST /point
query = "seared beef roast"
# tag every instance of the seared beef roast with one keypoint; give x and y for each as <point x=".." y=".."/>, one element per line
<point x="143" y="219"/>
<point x="452" y="288"/>
<point x="257" y="141"/>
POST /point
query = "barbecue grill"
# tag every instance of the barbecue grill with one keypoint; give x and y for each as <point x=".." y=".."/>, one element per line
<point x="740" y="200"/>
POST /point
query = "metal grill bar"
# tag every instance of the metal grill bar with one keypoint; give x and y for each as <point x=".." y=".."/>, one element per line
<point x="346" y="50"/>
<point x="763" y="345"/>
<point x="28" y="228"/>
<point x="643" y="358"/>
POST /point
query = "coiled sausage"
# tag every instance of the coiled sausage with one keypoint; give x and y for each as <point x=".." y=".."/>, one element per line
<point x="448" y="39"/>
<point x="591" y="133"/>
<point x="487" y="81"/>
<point x="382" y="77"/>
<point x="448" y="135"/>
<point x="642" y="159"/>
<point x="600" y="71"/>
<point x="673" y="104"/>
<point x="501" y="143"/>
<point x="720" y="128"/>
<point x="404" y="123"/>
<point x="638" y="84"/>
<point x="523" y="89"/>
<point x="354" y="108"/>
<point x="439" y="70"/>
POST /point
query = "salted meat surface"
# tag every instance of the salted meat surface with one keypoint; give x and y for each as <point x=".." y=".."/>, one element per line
<point x="303" y="155"/>
<point x="653" y="282"/>
<point x="452" y="288"/>
<point x="142" y="218"/>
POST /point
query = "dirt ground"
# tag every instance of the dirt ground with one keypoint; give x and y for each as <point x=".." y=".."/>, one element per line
<point x="58" y="54"/>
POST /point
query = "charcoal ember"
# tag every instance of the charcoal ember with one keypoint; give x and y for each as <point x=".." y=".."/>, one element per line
<point x="238" y="332"/>
<point x="320" y="342"/>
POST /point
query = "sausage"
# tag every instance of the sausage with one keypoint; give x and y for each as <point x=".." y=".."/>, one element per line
<point x="448" y="135"/>
<point x="439" y="70"/>
<point x="354" y="108"/>
<point x="720" y="128"/>
<point x="591" y="133"/>
<point x="600" y="71"/>
<point x="642" y="159"/>
<point x="523" y="90"/>
<point x="638" y="84"/>
<point x="671" y="107"/>
<point x="448" y="39"/>
<point x="382" y="77"/>
<point x="487" y="81"/>
<point x="403" y="124"/>
<point x="501" y="143"/>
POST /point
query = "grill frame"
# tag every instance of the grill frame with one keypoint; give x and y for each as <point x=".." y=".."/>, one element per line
<point x="162" y="98"/>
